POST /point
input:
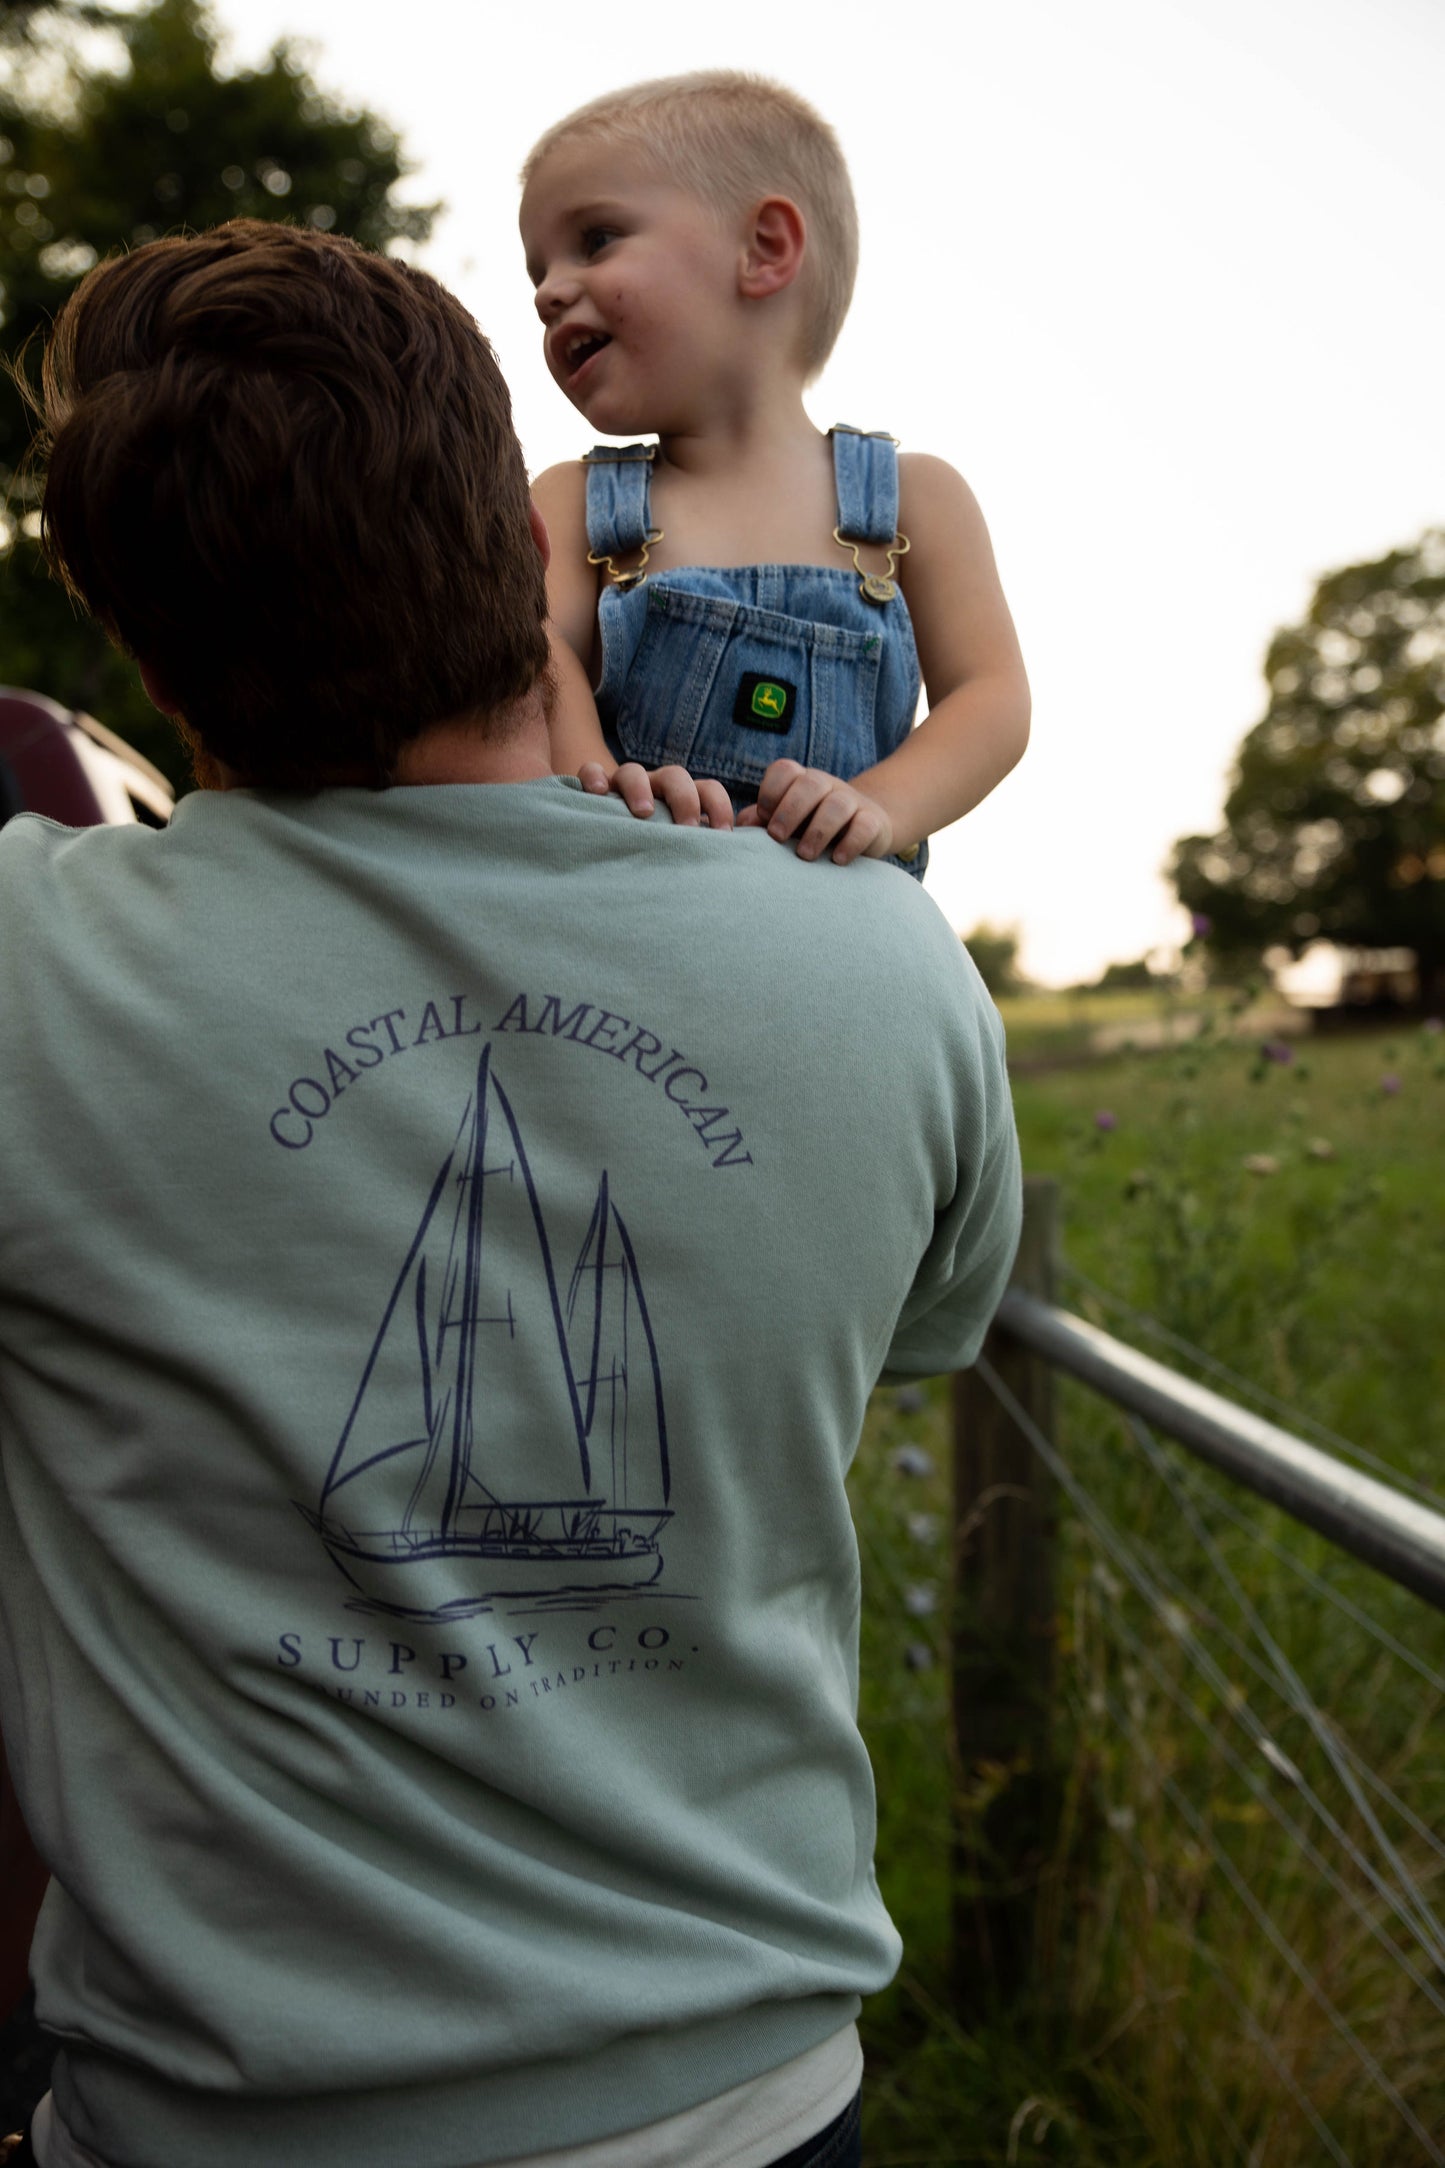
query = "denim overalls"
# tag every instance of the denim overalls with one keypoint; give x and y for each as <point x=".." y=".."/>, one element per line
<point x="726" y="669"/>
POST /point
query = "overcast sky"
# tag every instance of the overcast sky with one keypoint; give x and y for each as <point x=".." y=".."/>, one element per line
<point x="1162" y="278"/>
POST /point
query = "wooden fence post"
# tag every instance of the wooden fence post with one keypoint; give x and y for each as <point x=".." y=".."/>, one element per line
<point x="1006" y="1789"/>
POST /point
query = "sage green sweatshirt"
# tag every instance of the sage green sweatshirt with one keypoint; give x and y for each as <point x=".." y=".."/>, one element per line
<point x="447" y="1241"/>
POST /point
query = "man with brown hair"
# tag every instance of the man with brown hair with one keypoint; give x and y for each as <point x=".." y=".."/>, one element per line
<point x="450" y="1235"/>
<point x="248" y="433"/>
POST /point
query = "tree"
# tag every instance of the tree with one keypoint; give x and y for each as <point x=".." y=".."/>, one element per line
<point x="1335" y="820"/>
<point x="995" y="952"/>
<point x="115" y="128"/>
<point x="1135" y="977"/>
<point x="20" y="20"/>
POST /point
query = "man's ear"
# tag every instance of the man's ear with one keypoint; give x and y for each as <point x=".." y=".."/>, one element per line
<point x="210" y="773"/>
<point x="774" y="244"/>
<point x="539" y="535"/>
<point x="158" y="692"/>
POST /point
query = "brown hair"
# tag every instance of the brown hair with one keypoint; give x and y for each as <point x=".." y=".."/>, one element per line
<point x="282" y="472"/>
<point x="731" y="139"/>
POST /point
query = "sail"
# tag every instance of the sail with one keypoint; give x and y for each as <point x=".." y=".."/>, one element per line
<point x="614" y="1359"/>
<point x="501" y="1446"/>
<point x="467" y="1398"/>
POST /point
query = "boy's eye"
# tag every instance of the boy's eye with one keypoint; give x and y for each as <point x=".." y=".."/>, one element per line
<point x="595" y="239"/>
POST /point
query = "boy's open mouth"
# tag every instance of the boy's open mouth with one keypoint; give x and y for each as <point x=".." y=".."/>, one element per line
<point x="579" y="349"/>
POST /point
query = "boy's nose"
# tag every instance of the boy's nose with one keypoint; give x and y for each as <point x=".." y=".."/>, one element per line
<point x="558" y="290"/>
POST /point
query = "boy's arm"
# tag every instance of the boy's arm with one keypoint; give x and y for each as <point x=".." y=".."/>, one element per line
<point x="977" y="723"/>
<point x="560" y="495"/>
<point x="573" y="728"/>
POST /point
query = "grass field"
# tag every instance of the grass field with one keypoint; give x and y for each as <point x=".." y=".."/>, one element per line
<point x="1277" y="1204"/>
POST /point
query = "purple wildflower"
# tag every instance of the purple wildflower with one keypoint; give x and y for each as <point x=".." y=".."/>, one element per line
<point x="1201" y="925"/>
<point x="912" y="1460"/>
<point x="1105" y="1120"/>
<point x="1390" y="1084"/>
<point x="1278" y="1050"/>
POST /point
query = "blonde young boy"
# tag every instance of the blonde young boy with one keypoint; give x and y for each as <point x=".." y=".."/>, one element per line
<point x="754" y="601"/>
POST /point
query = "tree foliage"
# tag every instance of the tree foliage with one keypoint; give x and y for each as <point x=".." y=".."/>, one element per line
<point x="1134" y="977"/>
<point x="995" y="952"/>
<point x="114" y="128"/>
<point x="1335" y="820"/>
<point x="21" y="21"/>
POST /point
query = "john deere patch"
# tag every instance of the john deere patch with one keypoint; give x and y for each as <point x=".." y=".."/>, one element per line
<point x="765" y="703"/>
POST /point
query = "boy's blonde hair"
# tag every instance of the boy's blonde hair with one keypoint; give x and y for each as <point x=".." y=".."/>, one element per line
<point x="735" y="138"/>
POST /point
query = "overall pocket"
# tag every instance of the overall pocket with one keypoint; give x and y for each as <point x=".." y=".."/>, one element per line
<point x="725" y="690"/>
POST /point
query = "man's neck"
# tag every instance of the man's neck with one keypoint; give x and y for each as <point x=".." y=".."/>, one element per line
<point x="508" y="748"/>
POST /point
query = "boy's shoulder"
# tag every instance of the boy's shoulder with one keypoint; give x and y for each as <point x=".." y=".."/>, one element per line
<point x="560" y="492"/>
<point x="928" y="481"/>
<point x="949" y="543"/>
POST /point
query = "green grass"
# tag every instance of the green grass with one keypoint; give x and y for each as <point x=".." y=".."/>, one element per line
<point x="1162" y="2025"/>
<point x="1287" y="1217"/>
<point x="1048" y="1028"/>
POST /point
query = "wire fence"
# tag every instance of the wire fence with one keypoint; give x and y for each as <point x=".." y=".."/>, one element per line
<point x="1235" y="1892"/>
<point x="1197" y="1362"/>
<point x="1276" y="1793"/>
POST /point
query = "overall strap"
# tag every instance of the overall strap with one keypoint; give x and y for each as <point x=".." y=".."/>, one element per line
<point x="618" y="492"/>
<point x="865" y="469"/>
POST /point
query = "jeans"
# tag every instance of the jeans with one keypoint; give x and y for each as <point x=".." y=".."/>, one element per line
<point x="840" y="2145"/>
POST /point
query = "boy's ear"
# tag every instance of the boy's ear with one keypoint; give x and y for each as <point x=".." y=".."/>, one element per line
<point x="774" y="244"/>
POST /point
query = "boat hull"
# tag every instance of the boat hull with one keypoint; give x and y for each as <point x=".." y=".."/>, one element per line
<point x="498" y="1551"/>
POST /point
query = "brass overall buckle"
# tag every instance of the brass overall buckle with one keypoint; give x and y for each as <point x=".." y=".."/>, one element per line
<point x="624" y="582"/>
<point x="874" y="586"/>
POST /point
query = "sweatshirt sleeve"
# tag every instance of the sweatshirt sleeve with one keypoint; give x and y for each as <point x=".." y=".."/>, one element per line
<point x="966" y="1266"/>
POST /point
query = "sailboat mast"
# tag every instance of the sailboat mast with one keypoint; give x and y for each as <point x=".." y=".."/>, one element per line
<point x="462" y="1431"/>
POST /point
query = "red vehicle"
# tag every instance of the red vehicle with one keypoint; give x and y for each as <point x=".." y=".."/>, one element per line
<point x="55" y="760"/>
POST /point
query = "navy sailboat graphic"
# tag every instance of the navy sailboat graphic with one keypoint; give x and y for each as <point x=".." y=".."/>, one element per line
<point x="501" y="1443"/>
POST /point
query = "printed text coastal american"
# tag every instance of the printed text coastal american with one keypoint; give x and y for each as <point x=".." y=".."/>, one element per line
<point x="367" y="1044"/>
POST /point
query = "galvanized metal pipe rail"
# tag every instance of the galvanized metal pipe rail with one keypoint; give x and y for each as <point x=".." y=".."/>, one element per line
<point x="1388" y="1530"/>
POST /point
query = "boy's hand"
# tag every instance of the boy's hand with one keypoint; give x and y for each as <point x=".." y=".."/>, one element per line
<point x="819" y="809"/>
<point x="688" y="801"/>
